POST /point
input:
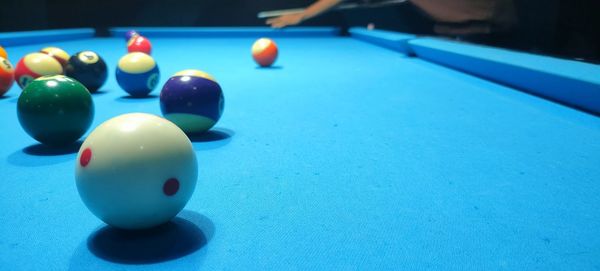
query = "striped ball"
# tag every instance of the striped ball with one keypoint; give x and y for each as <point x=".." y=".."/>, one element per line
<point x="35" y="65"/>
<point x="137" y="73"/>
<point x="193" y="100"/>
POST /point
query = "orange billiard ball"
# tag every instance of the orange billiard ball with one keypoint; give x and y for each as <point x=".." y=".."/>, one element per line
<point x="6" y="75"/>
<point x="3" y="53"/>
<point x="264" y="52"/>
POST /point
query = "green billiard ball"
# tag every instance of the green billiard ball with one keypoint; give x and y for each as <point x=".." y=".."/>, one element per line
<point x="55" y="110"/>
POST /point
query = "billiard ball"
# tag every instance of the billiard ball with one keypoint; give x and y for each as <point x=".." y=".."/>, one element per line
<point x="136" y="171"/>
<point x="193" y="100"/>
<point x="6" y="75"/>
<point x="35" y="65"/>
<point x="59" y="54"/>
<point x="264" y="52"/>
<point x="55" y="110"/>
<point x="139" y="44"/>
<point x="137" y="73"/>
<point x="88" y="68"/>
<point x="3" y="53"/>
<point x="130" y="34"/>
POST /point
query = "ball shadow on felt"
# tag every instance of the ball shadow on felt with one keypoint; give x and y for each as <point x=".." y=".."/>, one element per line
<point x="46" y="150"/>
<point x="37" y="155"/>
<point x="182" y="236"/>
<point x="133" y="99"/>
<point x="212" y="139"/>
<point x="274" y="67"/>
<point x="212" y="135"/>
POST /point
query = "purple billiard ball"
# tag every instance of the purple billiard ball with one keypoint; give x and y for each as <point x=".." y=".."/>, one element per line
<point x="193" y="100"/>
<point x="130" y="34"/>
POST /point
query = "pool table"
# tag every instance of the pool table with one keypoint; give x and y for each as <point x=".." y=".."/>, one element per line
<point x="369" y="151"/>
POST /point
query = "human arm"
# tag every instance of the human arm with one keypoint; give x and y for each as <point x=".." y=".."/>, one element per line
<point x="313" y="10"/>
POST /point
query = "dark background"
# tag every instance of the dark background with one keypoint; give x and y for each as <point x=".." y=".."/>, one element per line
<point x="563" y="28"/>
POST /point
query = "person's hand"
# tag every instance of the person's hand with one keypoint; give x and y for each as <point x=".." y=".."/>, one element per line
<point x="285" y="20"/>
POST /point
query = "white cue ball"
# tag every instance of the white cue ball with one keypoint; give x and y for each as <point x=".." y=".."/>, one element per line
<point x="136" y="171"/>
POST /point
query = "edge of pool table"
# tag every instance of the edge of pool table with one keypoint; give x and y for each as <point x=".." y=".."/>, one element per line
<point x="231" y="32"/>
<point x="572" y="83"/>
<point x="42" y="36"/>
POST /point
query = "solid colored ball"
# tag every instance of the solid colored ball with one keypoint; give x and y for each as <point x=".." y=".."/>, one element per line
<point x="264" y="52"/>
<point x="137" y="73"/>
<point x="130" y="34"/>
<point x="35" y="65"/>
<point x="139" y="44"/>
<point x="136" y="171"/>
<point x="55" y="110"/>
<point x="6" y="75"/>
<point x="3" y="53"/>
<point x="193" y="100"/>
<point x="88" y="68"/>
<point x="59" y="54"/>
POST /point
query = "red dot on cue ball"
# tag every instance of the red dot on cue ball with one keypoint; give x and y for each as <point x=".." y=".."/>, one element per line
<point x="171" y="187"/>
<point x="85" y="158"/>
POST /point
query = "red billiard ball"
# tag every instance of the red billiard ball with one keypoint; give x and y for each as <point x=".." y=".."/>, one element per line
<point x="6" y="75"/>
<point x="59" y="54"/>
<point x="264" y="52"/>
<point x="35" y="65"/>
<point x="139" y="44"/>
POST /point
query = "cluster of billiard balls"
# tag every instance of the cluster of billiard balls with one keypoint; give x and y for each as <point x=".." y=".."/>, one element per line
<point x="137" y="72"/>
<point x="114" y="175"/>
<point x="85" y="66"/>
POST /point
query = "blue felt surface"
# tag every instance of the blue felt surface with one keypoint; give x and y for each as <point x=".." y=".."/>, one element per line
<point x="44" y="36"/>
<point x="388" y="39"/>
<point x="227" y="32"/>
<point x="570" y="82"/>
<point x="344" y="156"/>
